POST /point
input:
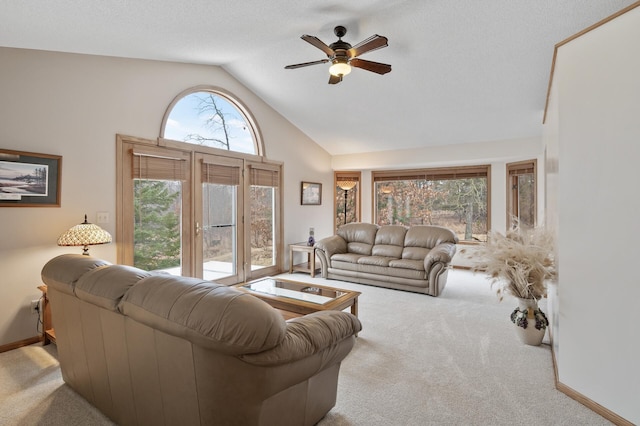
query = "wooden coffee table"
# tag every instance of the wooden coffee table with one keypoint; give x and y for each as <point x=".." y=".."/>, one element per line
<point x="295" y="298"/>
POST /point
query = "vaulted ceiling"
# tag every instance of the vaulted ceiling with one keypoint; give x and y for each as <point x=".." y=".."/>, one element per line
<point x="464" y="71"/>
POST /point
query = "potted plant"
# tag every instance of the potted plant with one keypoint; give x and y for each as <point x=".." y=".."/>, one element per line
<point x="520" y="263"/>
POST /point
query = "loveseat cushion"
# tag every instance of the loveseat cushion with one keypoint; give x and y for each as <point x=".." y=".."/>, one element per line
<point x="63" y="275"/>
<point x="210" y="315"/>
<point x="105" y="286"/>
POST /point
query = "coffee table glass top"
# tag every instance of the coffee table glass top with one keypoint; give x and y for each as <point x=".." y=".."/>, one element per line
<point x="294" y="290"/>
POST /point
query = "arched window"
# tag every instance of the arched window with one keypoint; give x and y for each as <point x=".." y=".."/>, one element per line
<point x="210" y="117"/>
<point x="202" y="200"/>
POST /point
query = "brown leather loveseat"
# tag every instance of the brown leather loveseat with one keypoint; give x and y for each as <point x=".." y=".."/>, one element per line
<point x="415" y="258"/>
<point x="155" y="349"/>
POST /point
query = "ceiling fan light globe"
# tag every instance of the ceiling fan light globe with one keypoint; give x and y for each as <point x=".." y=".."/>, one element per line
<point x="340" y="69"/>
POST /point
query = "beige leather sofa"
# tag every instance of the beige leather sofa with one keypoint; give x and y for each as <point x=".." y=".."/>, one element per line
<point x="154" y="349"/>
<point x="415" y="258"/>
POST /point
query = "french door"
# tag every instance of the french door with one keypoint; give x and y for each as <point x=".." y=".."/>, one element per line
<point x="197" y="214"/>
<point x="218" y="218"/>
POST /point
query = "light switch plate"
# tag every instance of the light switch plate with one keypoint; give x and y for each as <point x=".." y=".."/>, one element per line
<point x="102" y="217"/>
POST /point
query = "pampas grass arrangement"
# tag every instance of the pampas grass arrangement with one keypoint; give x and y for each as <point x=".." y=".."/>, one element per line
<point x="519" y="262"/>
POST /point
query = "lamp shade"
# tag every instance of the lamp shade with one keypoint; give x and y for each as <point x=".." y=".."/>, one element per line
<point x="85" y="234"/>
<point x="347" y="184"/>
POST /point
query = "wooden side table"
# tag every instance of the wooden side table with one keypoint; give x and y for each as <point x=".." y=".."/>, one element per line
<point x="310" y="265"/>
<point x="48" y="333"/>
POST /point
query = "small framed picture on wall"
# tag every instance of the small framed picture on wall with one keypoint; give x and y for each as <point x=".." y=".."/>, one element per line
<point x="310" y="194"/>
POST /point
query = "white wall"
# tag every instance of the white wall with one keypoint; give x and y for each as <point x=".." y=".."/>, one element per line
<point x="74" y="105"/>
<point x="594" y="129"/>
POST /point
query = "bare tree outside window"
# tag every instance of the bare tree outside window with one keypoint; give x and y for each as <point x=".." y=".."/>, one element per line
<point x="215" y="119"/>
<point x="458" y="204"/>
<point x="209" y="119"/>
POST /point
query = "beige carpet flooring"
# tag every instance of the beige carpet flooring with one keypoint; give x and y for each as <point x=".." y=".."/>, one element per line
<point x="419" y="360"/>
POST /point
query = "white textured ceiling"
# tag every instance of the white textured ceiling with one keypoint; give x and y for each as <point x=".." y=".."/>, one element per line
<point x="463" y="70"/>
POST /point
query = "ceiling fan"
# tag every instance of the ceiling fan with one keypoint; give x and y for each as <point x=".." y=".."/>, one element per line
<point x="343" y="56"/>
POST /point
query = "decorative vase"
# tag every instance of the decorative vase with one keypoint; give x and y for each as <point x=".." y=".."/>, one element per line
<point x="529" y="321"/>
<point x="311" y="241"/>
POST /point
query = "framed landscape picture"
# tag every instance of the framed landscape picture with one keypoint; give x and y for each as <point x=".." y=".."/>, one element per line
<point x="310" y="194"/>
<point x="28" y="179"/>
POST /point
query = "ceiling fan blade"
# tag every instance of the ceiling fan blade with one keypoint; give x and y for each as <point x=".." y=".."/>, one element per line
<point x="372" y="43"/>
<point x="376" y="67"/>
<point x="306" y="64"/>
<point x="334" y="79"/>
<point x="319" y="44"/>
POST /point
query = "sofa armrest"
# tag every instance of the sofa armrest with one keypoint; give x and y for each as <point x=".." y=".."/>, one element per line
<point x="307" y="336"/>
<point x="442" y="253"/>
<point x="327" y="247"/>
<point x="331" y="245"/>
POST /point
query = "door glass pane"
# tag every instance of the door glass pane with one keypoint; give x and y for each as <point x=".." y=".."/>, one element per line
<point x="157" y="225"/>
<point x="219" y="230"/>
<point x="262" y="231"/>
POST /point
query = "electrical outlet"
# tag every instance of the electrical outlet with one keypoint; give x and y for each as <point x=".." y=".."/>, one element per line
<point x="35" y="306"/>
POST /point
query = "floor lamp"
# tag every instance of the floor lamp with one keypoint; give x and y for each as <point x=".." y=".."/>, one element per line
<point x="346" y="185"/>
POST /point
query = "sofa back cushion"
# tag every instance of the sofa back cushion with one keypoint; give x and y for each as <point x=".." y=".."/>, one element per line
<point x="208" y="314"/>
<point x="62" y="272"/>
<point x="428" y="236"/>
<point x="389" y="241"/>
<point x="360" y="237"/>
<point x="420" y="239"/>
<point x="105" y="286"/>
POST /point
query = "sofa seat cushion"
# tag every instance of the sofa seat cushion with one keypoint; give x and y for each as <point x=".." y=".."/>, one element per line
<point x="415" y="253"/>
<point x="376" y="260"/>
<point x="416" y="265"/>
<point x="347" y="266"/>
<point x="381" y="273"/>
<point x="346" y="257"/>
